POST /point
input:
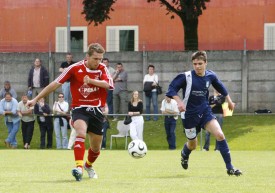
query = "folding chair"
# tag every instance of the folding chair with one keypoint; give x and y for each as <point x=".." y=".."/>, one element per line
<point x="123" y="132"/>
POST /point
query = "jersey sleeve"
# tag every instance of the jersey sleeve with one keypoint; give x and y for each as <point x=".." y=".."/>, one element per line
<point x="65" y="75"/>
<point x="218" y="85"/>
<point x="179" y="82"/>
<point x="106" y="76"/>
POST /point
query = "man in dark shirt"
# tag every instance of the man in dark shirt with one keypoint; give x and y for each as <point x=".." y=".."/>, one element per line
<point x="66" y="86"/>
<point x="38" y="78"/>
<point x="215" y="101"/>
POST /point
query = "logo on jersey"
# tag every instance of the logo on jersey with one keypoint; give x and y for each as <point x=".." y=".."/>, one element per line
<point x="86" y="90"/>
<point x="80" y="70"/>
<point x="207" y="84"/>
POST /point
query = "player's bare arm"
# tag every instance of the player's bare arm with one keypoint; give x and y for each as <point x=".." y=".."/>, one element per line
<point x="47" y="90"/>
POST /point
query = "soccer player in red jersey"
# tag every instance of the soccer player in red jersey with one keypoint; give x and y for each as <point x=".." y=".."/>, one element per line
<point x="89" y="80"/>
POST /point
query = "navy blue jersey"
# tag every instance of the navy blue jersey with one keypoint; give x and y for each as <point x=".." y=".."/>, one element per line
<point x="195" y="90"/>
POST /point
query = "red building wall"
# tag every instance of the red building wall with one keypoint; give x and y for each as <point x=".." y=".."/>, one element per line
<point x="29" y="25"/>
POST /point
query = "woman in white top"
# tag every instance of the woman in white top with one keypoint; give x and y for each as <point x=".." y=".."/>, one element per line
<point x="135" y="108"/>
<point x="151" y="79"/>
<point x="61" y="107"/>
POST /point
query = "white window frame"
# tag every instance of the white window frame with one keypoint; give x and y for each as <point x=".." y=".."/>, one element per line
<point x="61" y="38"/>
<point x="269" y="36"/>
<point x="112" y="37"/>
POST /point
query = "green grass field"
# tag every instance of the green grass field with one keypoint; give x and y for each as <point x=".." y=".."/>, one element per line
<point x="251" y="139"/>
<point x="254" y="132"/>
<point x="33" y="171"/>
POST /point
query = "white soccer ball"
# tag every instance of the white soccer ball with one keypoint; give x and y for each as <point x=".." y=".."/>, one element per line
<point x="137" y="148"/>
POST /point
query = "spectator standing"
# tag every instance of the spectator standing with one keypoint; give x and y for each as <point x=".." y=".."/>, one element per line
<point x="43" y="111"/>
<point x="215" y="101"/>
<point x="198" y="113"/>
<point x="8" y="108"/>
<point x="135" y="109"/>
<point x="66" y="86"/>
<point x="7" y="88"/>
<point x="61" y="108"/>
<point x="152" y="79"/>
<point x="89" y="81"/>
<point x="27" y="121"/>
<point x="120" y="94"/>
<point x="170" y="108"/>
<point x="38" y="78"/>
<point x="106" y="125"/>
<point x="110" y="92"/>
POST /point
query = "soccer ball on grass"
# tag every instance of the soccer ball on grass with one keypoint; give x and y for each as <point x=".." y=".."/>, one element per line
<point x="137" y="148"/>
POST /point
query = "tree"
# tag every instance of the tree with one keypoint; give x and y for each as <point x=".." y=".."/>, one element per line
<point x="97" y="11"/>
<point x="188" y="11"/>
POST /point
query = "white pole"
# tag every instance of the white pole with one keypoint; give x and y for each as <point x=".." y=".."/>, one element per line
<point x="69" y="26"/>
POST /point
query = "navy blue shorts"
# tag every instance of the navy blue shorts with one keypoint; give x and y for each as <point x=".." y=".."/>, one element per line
<point x="194" y="123"/>
<point x="93" y="117"/>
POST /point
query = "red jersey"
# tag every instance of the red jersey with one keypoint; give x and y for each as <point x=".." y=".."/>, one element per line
<point x="86" y="95"/>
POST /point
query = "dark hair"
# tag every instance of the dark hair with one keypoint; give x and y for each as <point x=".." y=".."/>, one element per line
<point x="7" y="93"/>
<point x="119" y="64"/>
<point x="199" y="55"/>
<point x="61" y="93"/>
<point x="151" y="66"/>
<point x="105" y="59"/>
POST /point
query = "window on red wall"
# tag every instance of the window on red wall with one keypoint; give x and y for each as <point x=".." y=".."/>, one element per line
<point x="269" y="36"/>
<point x="122" y="38"/>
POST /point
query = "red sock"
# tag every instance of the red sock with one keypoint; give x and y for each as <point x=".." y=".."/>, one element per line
<point x="92" y="156"/>
<point x="79" y="151"/>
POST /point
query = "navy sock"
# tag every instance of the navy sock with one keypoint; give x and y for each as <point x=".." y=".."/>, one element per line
<point x="185" y="151"/>
<point x="225" y="152"/>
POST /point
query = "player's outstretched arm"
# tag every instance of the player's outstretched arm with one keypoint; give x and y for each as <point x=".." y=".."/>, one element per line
<point x="231" y="105"/>
<point x="47" y="90"/>
<point x="181" y="106"/>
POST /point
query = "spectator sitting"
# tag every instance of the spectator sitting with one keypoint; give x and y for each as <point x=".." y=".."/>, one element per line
<point x="7" y="88"/>
<point x="135" y="108"/>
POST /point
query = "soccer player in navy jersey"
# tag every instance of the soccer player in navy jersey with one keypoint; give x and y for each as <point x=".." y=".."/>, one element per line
<point x="89" y="80"/>
<point x="196" y="112"/>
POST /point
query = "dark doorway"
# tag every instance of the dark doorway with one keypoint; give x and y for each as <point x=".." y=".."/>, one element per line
<point x="76" y="41"/>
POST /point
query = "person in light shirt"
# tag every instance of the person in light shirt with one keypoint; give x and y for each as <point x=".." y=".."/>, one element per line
<point x="169" y="107"/>
<point x="61" y="108"/>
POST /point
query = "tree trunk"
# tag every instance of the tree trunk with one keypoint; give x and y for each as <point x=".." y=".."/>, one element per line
<point x="190" y="27"/>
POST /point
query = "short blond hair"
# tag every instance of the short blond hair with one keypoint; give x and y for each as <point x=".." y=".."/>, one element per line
<point x="95" y="47"/>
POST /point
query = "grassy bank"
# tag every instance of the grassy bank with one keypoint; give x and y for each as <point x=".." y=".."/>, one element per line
<point x="251" y="132"/>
